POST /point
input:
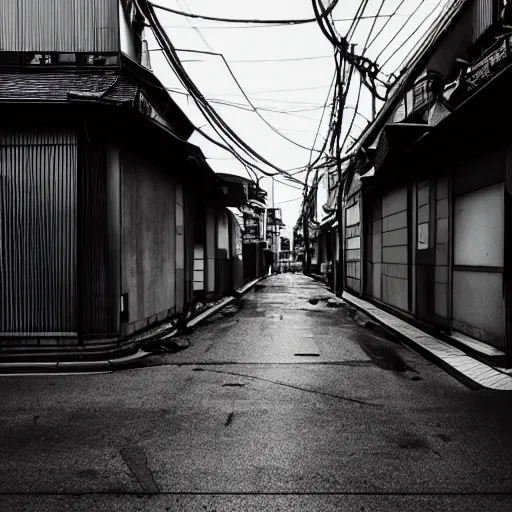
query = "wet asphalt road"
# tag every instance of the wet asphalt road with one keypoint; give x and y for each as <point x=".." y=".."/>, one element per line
<point x="278" y="404"/>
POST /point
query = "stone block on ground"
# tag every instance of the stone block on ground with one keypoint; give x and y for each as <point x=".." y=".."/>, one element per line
<point x="334" y="302"/>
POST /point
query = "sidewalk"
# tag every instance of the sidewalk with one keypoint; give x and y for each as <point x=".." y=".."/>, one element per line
<point x="451" y="359"/>
<point x="109" y="365"/>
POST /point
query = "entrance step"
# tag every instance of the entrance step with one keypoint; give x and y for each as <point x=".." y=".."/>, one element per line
<point x="477" y="348"/>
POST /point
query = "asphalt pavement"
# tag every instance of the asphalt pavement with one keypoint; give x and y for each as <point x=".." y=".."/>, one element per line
<point x="280" y="402"/>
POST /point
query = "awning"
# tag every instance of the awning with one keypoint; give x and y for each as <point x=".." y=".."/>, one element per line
<point x="397" y="137"/>
<point x="58" y="86"/>
<point x="238" y="217"/>
<point x="326" y="223"/>
<point x="234" y="191"/>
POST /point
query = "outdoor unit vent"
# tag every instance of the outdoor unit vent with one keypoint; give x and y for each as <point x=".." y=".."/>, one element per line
<point x="382" y="150"/>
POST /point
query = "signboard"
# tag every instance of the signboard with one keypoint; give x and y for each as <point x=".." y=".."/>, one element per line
<point x="423" y="236"/>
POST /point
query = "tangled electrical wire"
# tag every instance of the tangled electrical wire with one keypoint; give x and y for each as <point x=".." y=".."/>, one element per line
<point x="347" y="63"/>
<point x="370" y="76"/>
<point x="230" y="140"/>
<point x="368" y="70"/>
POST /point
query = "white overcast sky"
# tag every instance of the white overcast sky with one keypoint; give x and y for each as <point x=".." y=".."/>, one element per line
<point x="261" y="58"/>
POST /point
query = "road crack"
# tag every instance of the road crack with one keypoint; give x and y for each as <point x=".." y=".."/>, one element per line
<point x="135" y="458"/>
<point x="299" y="388"/>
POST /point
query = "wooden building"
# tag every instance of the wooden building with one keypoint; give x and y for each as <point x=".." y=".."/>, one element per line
<point x="427" y="218"/>
<point x="110" y="221"/>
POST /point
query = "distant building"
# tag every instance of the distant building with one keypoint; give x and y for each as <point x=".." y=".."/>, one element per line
<point x="110" y="221"/>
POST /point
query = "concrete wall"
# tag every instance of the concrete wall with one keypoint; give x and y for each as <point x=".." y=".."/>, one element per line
<point x="442" y="249"/>
<point x="114" y="232"/>
<point x="223" y="233"/>
<point x="181" y="295"/>
<point x="376" y="251"/>
<point x="210" y="249"/>
<point x="148" y="241"/>
<point x="478" y="226"/>
<point x="394" y="249"/>
<point x="478" y="305"/>
<point x="223" y="267"/>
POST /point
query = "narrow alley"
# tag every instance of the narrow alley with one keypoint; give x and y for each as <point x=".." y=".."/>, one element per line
<point x="283" y="401"/>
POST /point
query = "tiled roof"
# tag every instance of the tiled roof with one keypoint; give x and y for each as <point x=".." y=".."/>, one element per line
<point x="52" y="87"/>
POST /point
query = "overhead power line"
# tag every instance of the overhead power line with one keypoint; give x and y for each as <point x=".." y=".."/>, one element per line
<point x="241" y="106"/>
<point x="208" y="96"/>
<point x="237" y="61"/>
<point x="386" y="24"/>
<point x="287" y="184"/>
<point x="287" y="59"/>
<point x="217" y="123"/>
<point x="196" y="29"/>
<point x="365" y="49"/>
<point x="254" y="21"/>
<point x="290" y="200"/>
<point x="247" y="97"/>
<point x="244" y="25"/>
<point x="434" y="10"/>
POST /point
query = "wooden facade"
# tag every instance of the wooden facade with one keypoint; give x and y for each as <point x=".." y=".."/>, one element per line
<point x="433" y="212"/>
<point x="59" y="25"/>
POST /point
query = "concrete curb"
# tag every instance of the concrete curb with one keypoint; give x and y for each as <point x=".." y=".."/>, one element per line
<point x="211" y="311"/>
<point x="110" y="365"/>
<point x="244" y="289"/>
<point x="239" y="292"/>
<point x="70" y="366"/>
<point x="457" y="363"/>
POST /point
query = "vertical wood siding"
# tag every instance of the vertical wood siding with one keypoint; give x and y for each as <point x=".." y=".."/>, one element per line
<point x="484" y="14"/>
<point x="59" y="25"/>
<point x="95" y="307"/>
<point x="38" y="178"/>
